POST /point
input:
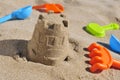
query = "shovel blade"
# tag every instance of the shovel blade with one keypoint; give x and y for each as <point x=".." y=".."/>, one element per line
<point x="114" y="44"/>
<point x="95" y="30"/>
<point x="22" y="13"/>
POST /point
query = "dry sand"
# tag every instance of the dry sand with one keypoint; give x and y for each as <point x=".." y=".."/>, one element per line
<point x="14" y="36"/>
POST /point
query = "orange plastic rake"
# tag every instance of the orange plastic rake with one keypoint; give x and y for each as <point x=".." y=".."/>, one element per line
<point x="101" y="58"/>
<point x="57" y="8"/>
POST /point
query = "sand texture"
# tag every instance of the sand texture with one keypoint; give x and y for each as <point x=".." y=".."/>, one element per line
<point x="15" y="36"/>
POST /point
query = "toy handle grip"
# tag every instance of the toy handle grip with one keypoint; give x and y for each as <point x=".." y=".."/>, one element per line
<point x="116" y="64"/>
<point x="37" y="7"/>
<point x="112" y="26"/>
<point x="5" y="18"/>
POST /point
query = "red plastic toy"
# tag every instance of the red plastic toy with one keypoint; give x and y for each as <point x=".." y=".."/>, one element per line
<point x="57" y="8"/>
<point x="101" y="58"/>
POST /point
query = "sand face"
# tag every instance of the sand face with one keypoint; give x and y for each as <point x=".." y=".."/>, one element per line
<point x="16" y="34"/>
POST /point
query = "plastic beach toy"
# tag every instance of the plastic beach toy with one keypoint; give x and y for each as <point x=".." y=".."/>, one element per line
<point x="99" y="31"/>
<point x="101" y="58"/>
<point x="21" y="14"/>
<point x="114" y="43"/>
<point x="57" y="8"/>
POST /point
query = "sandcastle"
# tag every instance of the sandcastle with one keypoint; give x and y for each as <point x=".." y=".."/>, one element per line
<point x="50" y="41"/>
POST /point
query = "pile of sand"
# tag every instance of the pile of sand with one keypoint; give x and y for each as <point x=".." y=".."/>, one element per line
<point x="14" y="36"/>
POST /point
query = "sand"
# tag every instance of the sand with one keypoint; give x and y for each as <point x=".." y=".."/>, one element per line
<point x="14" y="36"/>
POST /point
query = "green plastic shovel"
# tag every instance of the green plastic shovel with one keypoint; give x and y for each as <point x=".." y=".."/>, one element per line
<point x="99" y="31"/>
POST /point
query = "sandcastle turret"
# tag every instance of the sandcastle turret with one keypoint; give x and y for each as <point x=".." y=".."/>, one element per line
<point x="49" y="44"/>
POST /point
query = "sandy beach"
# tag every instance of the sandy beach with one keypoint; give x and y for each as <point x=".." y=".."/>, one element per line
<point x="15" y="34"/>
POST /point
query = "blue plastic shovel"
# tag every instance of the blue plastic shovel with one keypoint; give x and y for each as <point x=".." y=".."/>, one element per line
<point x="114" y="44"/>
<point x="19" y="14"/>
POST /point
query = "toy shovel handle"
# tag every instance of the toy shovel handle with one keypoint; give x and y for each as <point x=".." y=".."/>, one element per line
<point x="112" y="26"/>
<point x="116" y="64"/>
<point x="5" y="18"/>
<point x="37" y="7"/>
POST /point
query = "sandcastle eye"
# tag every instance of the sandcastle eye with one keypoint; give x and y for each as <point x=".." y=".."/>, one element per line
<point x="51" y="26"/>
<point x="65" y="23"/>
<point x="41" y="17"/>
